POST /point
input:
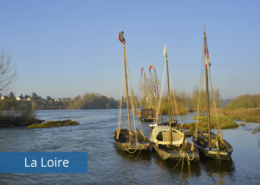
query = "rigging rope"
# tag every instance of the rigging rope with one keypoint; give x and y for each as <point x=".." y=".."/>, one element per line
<point x="200" y="89"/>
<point x="121" y="93"/>
<point x="160" y="99"/>
<point x="214" y="104"/>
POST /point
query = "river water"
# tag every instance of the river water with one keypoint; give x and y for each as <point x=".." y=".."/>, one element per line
<point x="107" y="164"/>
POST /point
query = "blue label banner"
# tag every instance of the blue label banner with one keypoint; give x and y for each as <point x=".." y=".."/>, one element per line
<point x="43" y="162"/>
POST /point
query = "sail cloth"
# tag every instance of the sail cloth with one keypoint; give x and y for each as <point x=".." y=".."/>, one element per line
<point x="121" y="37"/>
<point x="206" y="52"/>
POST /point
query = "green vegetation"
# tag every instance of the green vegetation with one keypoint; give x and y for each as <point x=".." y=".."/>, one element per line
<point x="244" y="101"/>
<point x="225" y="122"/>
<point x="184" y="117"/>
<point x="248" y="115"/>
<point x="54" y="124"/>
<point x="14" y="114"/>
<point x="88" y="101"/>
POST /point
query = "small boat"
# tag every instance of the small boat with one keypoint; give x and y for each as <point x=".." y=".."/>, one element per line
<point x="209" y="144"/>
<point x="126" y="139"/>
<point x="177" y="149"/>
<point x="147" y="112"/>
<point x="170" y="142"/>
<point x="219" y="149"/>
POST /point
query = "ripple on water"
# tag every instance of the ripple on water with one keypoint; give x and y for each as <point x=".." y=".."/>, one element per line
<point x="107" y="164"/>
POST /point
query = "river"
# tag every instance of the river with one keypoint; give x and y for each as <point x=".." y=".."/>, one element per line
<point x="107" y="164"/>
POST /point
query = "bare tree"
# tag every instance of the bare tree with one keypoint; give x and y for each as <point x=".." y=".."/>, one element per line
<point x="7" y="71"/>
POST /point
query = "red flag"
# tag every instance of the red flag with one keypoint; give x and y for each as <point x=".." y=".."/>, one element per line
<point x="142" y="71"/>
<point x="150" y="68"/>
<point x="206" y="52"/>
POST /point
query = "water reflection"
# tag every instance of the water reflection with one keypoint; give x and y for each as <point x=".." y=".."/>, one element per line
<point x="143" y="155"/>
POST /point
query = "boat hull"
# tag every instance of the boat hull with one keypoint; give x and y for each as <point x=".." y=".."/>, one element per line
<point x="205" y="152"/>
<point x="166" y="154"/>
<point x="138" y="142"/>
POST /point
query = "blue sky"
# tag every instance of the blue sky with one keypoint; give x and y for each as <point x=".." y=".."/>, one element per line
<point x="66" y="48"/>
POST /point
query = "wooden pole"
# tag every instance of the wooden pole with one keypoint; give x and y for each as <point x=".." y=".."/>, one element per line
<point x="127" y="101"/>
<point x="157" y="93"/>
<point x="169" y="103"/>
<point x="208" y="113"/>
<point x="207" y="92"/>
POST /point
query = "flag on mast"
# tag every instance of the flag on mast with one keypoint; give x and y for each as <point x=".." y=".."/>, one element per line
<point x="121" y="37"/>
<point x="206" y="52"/>
<point x="164" y="50"/>
<point x="142" y="71"/>
<point x="150" y="68"/>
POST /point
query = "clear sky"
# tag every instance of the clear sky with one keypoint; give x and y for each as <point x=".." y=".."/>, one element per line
<point x="65" y="48"/>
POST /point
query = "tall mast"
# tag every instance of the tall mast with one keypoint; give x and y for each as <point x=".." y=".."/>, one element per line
<point x="127" y="101"/>
<point x="207" y="92"/>
<point x="169" y="106"/>
<point x="157" y="92"/>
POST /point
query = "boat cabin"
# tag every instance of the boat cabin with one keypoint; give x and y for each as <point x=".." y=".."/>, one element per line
<point x="147" y="115"/>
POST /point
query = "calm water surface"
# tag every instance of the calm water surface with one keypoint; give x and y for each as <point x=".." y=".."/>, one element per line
<point x="107" y="164"/>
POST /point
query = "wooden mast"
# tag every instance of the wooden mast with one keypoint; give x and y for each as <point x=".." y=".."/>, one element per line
<point x="127" y="101"/>
<point x="207" y="92"/>
<point x="169" y="106"/>
<point x="157" y="92"/>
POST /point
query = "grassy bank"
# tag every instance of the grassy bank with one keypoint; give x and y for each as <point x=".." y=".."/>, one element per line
<point x="225" y="122"/>
<point x="249" y="115"/>
<point x="54" y="124"/>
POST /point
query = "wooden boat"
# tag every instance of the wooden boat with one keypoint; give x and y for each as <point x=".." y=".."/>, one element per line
<point x="147" y="114"/>
<point x="126" y="139"/>
<point x="209" y="144"/>
<point x="170" y="143"/>
<point x="218" y="149"/>
<point x="178" y="148"/>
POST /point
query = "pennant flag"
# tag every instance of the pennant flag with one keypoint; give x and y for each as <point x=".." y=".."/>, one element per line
<point x="121" y="37"/>
<point x="150" y="68"/>
<point x="142" y="71"/>
<point x="164" y="50"/>
<point x="206" y="52"/>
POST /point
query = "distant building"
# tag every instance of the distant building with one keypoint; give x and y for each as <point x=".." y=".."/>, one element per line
<point x="4" y="97"/>
<point x="28" y="99"/>
<point x="20" y="98"/>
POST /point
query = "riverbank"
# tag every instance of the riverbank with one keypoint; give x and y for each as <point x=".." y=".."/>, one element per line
<point x="248" y="115"/>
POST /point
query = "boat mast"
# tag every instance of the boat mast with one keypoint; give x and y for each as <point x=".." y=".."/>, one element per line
<point x="207" y="92"/>
<point x="127" y="101"/>
<point x="169" y="106"/>
<point x="157" y="92"/>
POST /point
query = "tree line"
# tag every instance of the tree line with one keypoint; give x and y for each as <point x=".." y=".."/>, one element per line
<point x="245" y="101"/>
